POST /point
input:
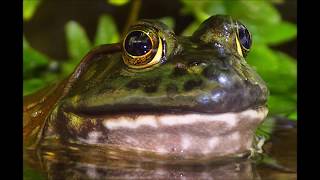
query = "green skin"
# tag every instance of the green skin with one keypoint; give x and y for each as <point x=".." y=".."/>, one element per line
<point x="203" y="74"/>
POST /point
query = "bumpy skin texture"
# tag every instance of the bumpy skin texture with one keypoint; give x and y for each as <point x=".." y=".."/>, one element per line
<point x="202" y="74"/>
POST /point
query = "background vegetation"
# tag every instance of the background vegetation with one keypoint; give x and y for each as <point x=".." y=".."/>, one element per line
<point x="261" y="17"/>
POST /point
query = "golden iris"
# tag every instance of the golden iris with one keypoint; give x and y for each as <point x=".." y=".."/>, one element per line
<point x="142" y="48"/>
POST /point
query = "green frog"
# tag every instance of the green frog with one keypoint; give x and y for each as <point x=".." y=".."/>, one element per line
<point x="156" y="92"/>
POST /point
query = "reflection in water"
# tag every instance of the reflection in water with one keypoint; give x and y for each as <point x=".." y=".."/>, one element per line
<point x="90" y="171"/>
<point x="78" y="162"/>
<point x="280" y="162"/>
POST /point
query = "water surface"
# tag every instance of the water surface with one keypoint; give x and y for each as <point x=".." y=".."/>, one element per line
<point x="278" y="162"/>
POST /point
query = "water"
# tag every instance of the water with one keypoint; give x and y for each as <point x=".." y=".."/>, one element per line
<point x="278" y="162"/>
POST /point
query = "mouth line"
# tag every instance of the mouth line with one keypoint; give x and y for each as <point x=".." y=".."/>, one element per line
<point x="136" y="110"/>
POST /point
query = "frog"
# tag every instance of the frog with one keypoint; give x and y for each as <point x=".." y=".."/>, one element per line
<point x="188" y="97"/>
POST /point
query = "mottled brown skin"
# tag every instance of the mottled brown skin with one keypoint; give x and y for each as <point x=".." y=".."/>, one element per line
<point x="202" y="74"/>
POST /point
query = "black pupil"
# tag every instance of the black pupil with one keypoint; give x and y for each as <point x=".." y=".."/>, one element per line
<point x="138" y="43"/>
<point x="244" y="37"/>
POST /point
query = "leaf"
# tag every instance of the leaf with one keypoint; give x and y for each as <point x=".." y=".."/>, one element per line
<point x="197" y="8"/>
<point x="190" y="29"/>
<point x="32" y="60"/>
<point x="277" y="1"/>
<point x="259" y="11"/>
<point x="215" y="7"/>
<point x="32" y="85"/>
<point x="263" y="59"/>
<point x="268" y="34"/>
<point x="36" y="83"/>
<point x="281" y="105"/>
<point x="287" y="66"/>
<point x="284" y="80"/>
<point x="118" y="2"/>
<point x="25" y="43"/>
<point x="106" y="32"/>
<point x="169" y="21"/>
<point x="293" y="116"/>
<point x="29" y="7"/>
<point x="68" y="67"/>
<point x="254" y="12"/>
<point x="265" y="129"/>
<point x="78" y="43"/>
<point x="272" y="65"/>
<point x="35" y="69"/>
<point x="189" y="6"/>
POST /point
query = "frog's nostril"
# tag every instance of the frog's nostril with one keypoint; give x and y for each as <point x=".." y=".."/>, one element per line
<point x="196" y="63"/>
<point x="179" y="70"/>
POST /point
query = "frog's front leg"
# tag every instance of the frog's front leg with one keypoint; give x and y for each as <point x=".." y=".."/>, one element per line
<point x="257" y="147"/>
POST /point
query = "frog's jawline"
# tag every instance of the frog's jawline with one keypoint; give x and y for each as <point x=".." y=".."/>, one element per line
<point x="190" y="135"/>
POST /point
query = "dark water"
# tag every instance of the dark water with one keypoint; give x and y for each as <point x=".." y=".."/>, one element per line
<point x="278" y="162"/>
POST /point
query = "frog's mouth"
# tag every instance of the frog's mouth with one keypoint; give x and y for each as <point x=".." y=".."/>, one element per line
<point x="189" y="135"/>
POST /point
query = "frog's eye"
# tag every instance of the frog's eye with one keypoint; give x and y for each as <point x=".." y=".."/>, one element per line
<point x="243" y="38"/>
<point x="142" y="49"/>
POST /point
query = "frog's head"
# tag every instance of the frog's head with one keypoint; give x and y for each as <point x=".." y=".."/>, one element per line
<point x="158" y="87"/>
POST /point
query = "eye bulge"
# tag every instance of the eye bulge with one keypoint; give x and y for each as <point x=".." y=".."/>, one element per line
<point x="142" y="48"/>
<point x="244" y="36"/>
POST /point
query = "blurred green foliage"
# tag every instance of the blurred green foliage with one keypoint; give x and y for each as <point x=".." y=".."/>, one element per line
<point x="261" y="17"/>
<point x="37" y="67"/>
<point x="117" y="2"/>
<point x="31" y="174"/>
<point x="29" y="7"/>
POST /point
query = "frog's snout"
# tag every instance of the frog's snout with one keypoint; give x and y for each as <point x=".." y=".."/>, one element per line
<point x="224" y="82"/>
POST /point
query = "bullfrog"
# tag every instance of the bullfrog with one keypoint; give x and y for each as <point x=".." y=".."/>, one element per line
<point x="155" y="92"/>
